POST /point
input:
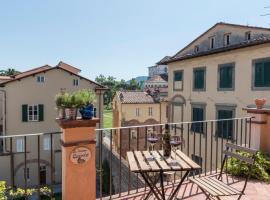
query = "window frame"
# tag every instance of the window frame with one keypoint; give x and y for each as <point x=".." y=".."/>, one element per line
<point x="228" y="107"/>
<point x="196" y="49"/>
<point x="76" y="82"/>
<point x="150" y="111"/>
<point x="47" y="146"/>
<point x="174" y="72"/>
<point x="201" y="105"/>
<point x="248" y="33"/>
<point x="33" y="110"/>
<point x="40" y="79"/>
<point x="253" y="87"/>
<point x="212" y="41"/>
<point x="193" y="84"/>
<point x="225" y="39"/>
<point x="233" y="77"/>
<point x="137" y="112"/>
<point x="22" y="145"/>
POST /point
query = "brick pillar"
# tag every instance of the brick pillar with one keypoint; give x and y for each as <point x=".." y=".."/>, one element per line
<point x="260" y="128"/>
<point x="78" y="159"/>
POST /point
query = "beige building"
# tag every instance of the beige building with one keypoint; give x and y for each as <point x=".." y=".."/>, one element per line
<point x="134" y="108"/>
<point x="28" y="107"/>
<point x="218" y="74"/>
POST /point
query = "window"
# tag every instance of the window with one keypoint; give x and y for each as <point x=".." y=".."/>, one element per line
<point x="196" y="49"/>
<point x="40" y="79"/>
<point x="227" y="39"/>
<point x="261" y="74"/>
<point x="27" y="173"/>
<point x="198" y="114"/>
<point x="20" y="145"/>
<point x="46" y="143"/>
<point x="225" y="127"/>
<point x="226" y="76"/>
<point x="75" y="82"/>
<point x="137" y="112"/>
<point x="32" y="112"/>
<point x="178" y="80"/>
<point x="133" y="134"/>
<point x="150" y="111"/>
<point x="199" y="79"/>
<point x="248" y="36"/>
<point x="212" y="42"/>
<point x="198" y="160"/>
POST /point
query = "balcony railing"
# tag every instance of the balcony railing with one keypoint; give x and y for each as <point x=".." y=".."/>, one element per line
<point x="25" y="157"/>
<point x="203" y="141"/>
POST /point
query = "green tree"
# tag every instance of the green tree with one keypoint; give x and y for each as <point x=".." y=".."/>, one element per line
<point x="9" y="72"/>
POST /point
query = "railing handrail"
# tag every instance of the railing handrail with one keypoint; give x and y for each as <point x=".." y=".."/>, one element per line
<point x="175" y="123"/>
<point x="30" y="134"/>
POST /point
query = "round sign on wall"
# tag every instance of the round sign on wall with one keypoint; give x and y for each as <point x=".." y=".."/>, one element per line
<point x="80" y="155"/>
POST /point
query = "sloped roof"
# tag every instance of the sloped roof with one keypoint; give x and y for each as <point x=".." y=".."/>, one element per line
<point x="256" y="41"/>
<point x="166" y="58"/>
<point x="130" y="97"/>
<point x="253" y="42"/>
<point x="46" y="68"/>
<point x="158" y="78"/>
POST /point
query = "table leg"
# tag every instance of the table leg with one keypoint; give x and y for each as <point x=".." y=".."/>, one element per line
<point x="179" y="185"/>
<point x="162" y="185"/>
<point x="150" y="186"/>
<point x="149" y="193"/>
<point x="154" y="185"/>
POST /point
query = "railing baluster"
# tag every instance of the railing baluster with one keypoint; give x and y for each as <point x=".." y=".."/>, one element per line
<point x="241" y="131"/>
<point x="200" y="150"/>
<point x="245" y="132"/>
<point x="211" y="155"/>
<point x="120" y="163"/>
<point x="222" y="137"/>
<point x="188" y="140"/>
<point x="249" y="142"/>
<point x="217" y="139"/>
<point x="52" y="164"/>
<point x="38" y="151"/>
<point x="205" y="149"/>
<point x="236" y="131"/>
<point x="100" y="163"/>
<point x="25" y="168"/>
<point x="137" y="148"/>
<point x="12" y="163"/>
<point x="129" y="132"/>
<point x="111" y="183"/>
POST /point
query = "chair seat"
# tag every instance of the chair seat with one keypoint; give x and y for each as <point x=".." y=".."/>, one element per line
<point x="214" y="186"/>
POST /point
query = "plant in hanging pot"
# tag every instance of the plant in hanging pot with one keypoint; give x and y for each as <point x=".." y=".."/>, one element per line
<point x="70" y="104"/>
<point x="59" y="101"/>
<point x="85" y="100"/>
<point x="166" y="141"/>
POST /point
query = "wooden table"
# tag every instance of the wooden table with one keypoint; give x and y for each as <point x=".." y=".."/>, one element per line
<point x="142" y="162"/>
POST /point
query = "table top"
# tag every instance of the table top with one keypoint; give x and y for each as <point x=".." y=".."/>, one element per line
<point x="141" y="161"/>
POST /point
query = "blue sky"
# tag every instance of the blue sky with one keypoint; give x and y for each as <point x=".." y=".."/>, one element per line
<point x="111" y="37"/>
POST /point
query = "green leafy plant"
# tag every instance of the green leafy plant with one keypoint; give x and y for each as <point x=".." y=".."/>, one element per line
<point x="84" y="97"/>
<point x="260" y="170"/>
<point x="59" y="100"/>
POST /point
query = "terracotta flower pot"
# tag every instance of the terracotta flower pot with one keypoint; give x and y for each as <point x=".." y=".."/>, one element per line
<point x="260" y="103"/>
<point x="71" y="113"/>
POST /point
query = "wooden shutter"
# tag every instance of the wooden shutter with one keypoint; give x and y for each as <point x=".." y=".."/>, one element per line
<point x="24" y="113"/>
<point x="40" y="112"/>
<point x="266" y="74"/>
<point x="178" y="76"/>
<point x="226" y="75"/>
<point x="199" y="79"/>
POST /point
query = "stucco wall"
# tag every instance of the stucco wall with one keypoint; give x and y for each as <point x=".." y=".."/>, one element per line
<point x="28" y="91"/>
<point x="242" y="94"/>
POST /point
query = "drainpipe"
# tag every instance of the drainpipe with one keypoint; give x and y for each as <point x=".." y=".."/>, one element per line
<point x="4" y="114"/>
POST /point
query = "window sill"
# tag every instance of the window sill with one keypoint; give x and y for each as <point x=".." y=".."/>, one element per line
<point x="260" y="88"/>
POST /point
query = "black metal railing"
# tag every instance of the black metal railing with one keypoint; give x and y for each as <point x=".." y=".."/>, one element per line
<point x="31" y="161"/>
<point x="203" y="141"/>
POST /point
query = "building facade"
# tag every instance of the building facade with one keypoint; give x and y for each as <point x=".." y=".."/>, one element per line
<point x="28" y="107"/>
<point x="217" y="75"/>
<point x="134" y="108"/>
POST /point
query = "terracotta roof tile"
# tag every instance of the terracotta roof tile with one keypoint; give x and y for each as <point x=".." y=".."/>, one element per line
<point x="130" y="97"/>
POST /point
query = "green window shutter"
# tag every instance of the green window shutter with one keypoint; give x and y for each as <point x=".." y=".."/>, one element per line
<point x="225" y="77"/>
<point x="267" y="74"/>
<point x="178" y="76"/>
<point x="24" y="113"/>
<point x="259" y="75"/>
<point x="199" y="79"/>
<point x="41" y="112"/>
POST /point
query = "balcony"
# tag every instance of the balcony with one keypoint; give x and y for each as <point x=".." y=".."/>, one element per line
<point x="203" y="142"/>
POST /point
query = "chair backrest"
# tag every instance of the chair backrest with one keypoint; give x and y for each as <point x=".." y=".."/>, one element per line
<point x="231" y="151"/>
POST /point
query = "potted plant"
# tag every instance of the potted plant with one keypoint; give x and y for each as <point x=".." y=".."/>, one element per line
<point x="260" y="103"/>
<point x="59" y="101"/>
<point x="167" y="140"/>
<point x="69" y="104"/>
<point x="85" y="100"/>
